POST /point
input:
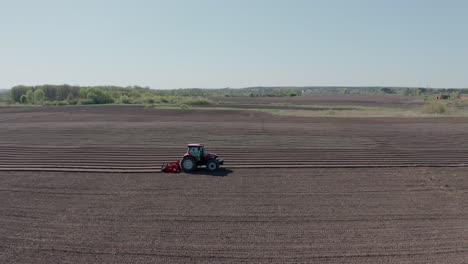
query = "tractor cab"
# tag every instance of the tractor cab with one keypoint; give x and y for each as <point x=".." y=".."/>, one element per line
<point x="195" y="150"/>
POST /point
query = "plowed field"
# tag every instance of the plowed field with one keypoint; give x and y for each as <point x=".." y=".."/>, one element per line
<point x="82" y="185"/>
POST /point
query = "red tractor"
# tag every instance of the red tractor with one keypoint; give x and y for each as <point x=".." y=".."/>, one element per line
<point x="196" y="156"/>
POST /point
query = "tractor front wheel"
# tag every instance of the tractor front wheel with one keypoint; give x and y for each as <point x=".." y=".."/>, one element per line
<point x="212" y="165"/>
<point x="188" y="164"/>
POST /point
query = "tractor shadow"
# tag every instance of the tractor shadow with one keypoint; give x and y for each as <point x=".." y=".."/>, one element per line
<point x="221" y="172"/>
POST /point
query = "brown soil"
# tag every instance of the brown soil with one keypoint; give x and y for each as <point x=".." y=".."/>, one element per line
<point x="137" y="139"/>
<point x="311" y="190"/>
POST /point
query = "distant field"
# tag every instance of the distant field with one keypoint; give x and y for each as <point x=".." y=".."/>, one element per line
<point x="330" y="99"/>
<point x="346" y="106"/>
<point x="363" y="102"/>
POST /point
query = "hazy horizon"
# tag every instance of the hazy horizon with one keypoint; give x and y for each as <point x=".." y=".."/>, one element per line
<point x="213" y="44"/>
<point x="246" y="87"/>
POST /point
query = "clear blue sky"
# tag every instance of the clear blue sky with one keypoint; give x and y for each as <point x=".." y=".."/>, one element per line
<point x="236" y="43"/>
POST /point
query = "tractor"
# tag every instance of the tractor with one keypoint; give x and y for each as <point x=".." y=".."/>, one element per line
<point x="196" y="156"/>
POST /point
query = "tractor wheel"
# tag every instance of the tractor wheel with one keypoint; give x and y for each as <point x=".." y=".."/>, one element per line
<point x="188" y="164"/>
<point x="212" y="165"/>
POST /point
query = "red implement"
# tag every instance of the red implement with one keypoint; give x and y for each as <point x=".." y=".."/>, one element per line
<point x="173" y="167"/>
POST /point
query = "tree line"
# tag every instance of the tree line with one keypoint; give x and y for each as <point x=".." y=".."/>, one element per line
<point x="67" y="94"/>
<point x="72" y="95"/>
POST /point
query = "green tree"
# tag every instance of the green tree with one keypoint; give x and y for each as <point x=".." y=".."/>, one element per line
<point x="39" y="96"/>
<point x="23" y="99"/>
<point x="71" y="99"/>
<point x="98" y="96"/>
<point x="30" y="96"/>
<point x="83" y="93"/>
<point x="124" y="99"/>
<point x="17" y="92"/>
<point x="149" y="100"/>
<point x="387" y="90"/>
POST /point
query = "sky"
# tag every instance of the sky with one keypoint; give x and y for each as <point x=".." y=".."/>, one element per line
<point x="234" y="43"/>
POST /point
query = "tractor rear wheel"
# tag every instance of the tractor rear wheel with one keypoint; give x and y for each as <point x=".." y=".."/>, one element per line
<point x="212" y="165"/>
<point x="188" y="164"/>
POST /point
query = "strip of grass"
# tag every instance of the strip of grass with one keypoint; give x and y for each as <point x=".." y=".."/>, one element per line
<point x="326" y="107"/>
<point x="368" y="112"/>
<point x="3" y="104"/>
<point x="271" y="111"/>
<point x="365" y="114"/>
